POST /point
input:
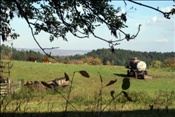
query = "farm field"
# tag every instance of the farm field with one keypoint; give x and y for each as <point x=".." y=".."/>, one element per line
<point x="84" y="96"/>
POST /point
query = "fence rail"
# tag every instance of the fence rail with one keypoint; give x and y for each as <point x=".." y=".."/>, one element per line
<point x="3" y="89"/>
<point x="5" y="86"/>
<point x="9" y="87"/>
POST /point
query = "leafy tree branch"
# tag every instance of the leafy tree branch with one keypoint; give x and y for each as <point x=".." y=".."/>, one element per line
<point x="60" y="17"/>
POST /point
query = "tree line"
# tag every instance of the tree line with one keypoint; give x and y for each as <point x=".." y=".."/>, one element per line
<point x="21" y="55"/>
<point x="122" y="57"/>
<point x="95" y="57"/>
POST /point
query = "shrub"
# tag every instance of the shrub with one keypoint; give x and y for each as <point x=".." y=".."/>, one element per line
<point x="169" y="62"/>
<point x="156" y="64"/>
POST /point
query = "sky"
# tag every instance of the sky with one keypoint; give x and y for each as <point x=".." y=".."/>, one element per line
<point x="156" y="34"/>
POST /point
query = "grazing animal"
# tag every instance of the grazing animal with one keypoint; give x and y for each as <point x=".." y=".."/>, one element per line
<point x="59" y="82"/>
<point x="35" y="85"/>
<point x="32" y="59"/>
<point x="46" y="60"/>
<point x="56" y="83"/>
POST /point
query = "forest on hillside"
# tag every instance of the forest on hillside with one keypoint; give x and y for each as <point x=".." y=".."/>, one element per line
<point x="95" y="57"/>
<point x="21" y="55"/>
<point x="122" y="57"/>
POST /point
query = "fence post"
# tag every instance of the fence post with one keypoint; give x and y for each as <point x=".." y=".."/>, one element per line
<point x="22" y="84"/>
<point x="8" y="86"/>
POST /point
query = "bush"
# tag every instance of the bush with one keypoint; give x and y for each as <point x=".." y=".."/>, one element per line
<point x="156" y="64"/>
<point x="169" y="62"/>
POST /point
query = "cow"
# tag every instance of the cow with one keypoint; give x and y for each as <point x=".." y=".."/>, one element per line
<point x="63" y="82"/>
<point x="53" y="84"/>
<point x="45" y="60"/>
<point x="36" y="85"/>
<point x="32" y="59"/>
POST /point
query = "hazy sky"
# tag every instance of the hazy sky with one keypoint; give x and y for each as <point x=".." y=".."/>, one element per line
<point x="157" y="32"/>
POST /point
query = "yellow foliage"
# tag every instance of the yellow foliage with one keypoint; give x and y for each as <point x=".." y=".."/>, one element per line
<point x="169" y="62"/>
<point x="7" y="57"/>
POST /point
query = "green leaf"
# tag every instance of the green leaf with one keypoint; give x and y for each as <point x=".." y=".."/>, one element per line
<point x="111" y="82"/>
<point x="112" y="94"/>
<point x="126" y="95"/>
<point x="84" y="73"/>
<point x="46" y="84"/>
<point x="126" y="83"/>
<point x="51" y="38"/>
<point x="66" y="76"/>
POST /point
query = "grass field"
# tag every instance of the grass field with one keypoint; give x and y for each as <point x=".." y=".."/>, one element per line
<point x="163" y="78"/>
<point x="85" y="91"/>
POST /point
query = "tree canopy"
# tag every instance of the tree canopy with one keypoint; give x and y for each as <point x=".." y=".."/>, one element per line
<point x="60" y="17"/>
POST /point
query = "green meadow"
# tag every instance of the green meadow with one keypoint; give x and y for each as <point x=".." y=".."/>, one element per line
<point x="163" y="78"/>
<point x="85" y="93"/>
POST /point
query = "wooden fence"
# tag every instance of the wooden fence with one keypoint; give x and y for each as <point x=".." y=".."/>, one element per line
<point x="5" y="68"/>
<point x="4" y="87"/>
<point x="5" y="84"/>
<point x="9" y="87"/>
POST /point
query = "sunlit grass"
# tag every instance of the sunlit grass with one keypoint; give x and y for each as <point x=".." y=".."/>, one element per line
<point x="163" y="79"/>
<point x="86" y="90"/>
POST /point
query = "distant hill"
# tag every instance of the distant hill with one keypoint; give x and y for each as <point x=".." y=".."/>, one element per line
<point x="58" y="52"/>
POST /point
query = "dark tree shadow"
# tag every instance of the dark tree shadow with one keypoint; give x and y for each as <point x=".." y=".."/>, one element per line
<point x="121" y="75"/>
<point x="126" y="76"/>
<point x="136" y="113"/>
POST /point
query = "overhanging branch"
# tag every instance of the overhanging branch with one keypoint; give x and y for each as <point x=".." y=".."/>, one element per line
<point x="166" y="14"/>
<point x="33" y="35"/>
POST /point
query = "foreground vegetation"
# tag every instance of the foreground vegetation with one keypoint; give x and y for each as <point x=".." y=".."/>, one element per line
<point x="90" y="94"/>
